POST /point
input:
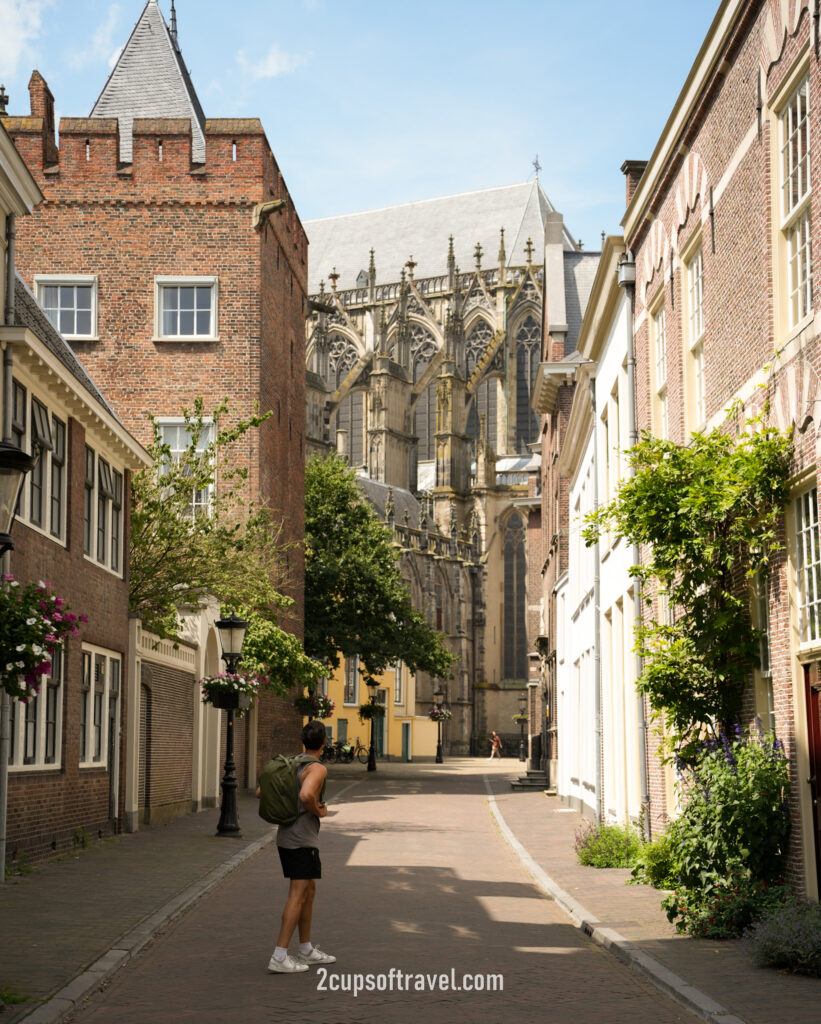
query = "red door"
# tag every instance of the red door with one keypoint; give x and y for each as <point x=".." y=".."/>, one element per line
<point x="812" y="686"/>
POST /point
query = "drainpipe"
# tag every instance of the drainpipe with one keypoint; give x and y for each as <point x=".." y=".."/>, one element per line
<point x="5" y="700"/>
<point x="627" y="280"/>
<point x="596" y="609"/>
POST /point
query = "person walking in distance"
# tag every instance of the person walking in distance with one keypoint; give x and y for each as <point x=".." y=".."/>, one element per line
<point x="298" y="846"/>
<point x="495" y="745"/>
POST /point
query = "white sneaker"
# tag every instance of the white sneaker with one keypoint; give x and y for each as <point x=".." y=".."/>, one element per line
<point x="316" y="956"/>
<point x="288" y="965"/>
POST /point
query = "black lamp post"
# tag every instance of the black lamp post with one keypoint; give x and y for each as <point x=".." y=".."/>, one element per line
<point x="232" y="634"/>
<point x="14" y="464"/>
<point x="522" y="719"/>
<point x="372" y="684"/>
<point x="438" y="698"/>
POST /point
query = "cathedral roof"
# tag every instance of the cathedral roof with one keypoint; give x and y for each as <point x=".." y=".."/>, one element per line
<point x="422" y="230"/>
<point x="150" y="79"/>
<point x="377" y="494"/>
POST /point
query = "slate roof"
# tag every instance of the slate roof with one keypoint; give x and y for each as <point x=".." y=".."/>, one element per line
<point x="377" y="494"/>
<point x="150" y="79"/>
<point x="579" y="273"/>
<point x="28" y="313"/>
<point x="421" y="230"/>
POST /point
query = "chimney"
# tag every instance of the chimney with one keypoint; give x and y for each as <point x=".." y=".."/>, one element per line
<point x="632" y="171"/>
<point x="42" y="105"/>
<point x="4" y="101"/>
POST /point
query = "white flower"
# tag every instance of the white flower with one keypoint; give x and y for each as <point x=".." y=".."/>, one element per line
<point x="37" y="649"/>
<point x="20" y="647"/>
<point x="9" y="667"/>
<point x="21" y="664"/>
<point x="30" y="622"/>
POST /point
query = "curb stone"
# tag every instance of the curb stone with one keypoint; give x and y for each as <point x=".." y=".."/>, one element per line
<point x="696" y="1001"/>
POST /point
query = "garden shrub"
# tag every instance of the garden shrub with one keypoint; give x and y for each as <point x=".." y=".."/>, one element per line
<point x="607" y="846"/>
<point x="788" y="937"/>
<point x="723" y="910"/>
<point x="657" y="864"/>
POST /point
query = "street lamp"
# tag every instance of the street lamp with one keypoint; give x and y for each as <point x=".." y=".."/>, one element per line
<point x="232" y="634"/>
<point x="439" y="697"/>
<point x="372" y="684"/>
<point x="522" y="719"/>
<point x="14" y="464"/>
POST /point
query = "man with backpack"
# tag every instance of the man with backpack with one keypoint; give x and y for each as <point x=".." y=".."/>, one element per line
<point x="297" y="843"/>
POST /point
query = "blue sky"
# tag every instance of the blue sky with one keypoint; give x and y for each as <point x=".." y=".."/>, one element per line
<point x="368" y="103"/>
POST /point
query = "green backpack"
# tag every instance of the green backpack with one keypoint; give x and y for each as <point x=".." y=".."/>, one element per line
<point x="278" y="789"/>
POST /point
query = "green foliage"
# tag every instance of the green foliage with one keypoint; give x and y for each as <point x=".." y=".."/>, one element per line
<point x="11" y="998"/>
<point x="735" y="822"/>
<point x="356" y="601"/>
<point x="178" y="556"/>
<point x="607" y="846"/>
<point x="657" y="864"/>
<point x="724" y="909"/>
<point x="275" y="655"/>
<point x="788" y="938"/>
<point x="708" y="514"/>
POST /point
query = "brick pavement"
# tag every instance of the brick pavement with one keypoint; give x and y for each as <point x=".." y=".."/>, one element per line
<point x="417" y="878"/>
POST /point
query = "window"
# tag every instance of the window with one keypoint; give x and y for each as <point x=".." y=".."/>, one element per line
<point x="70" y="303"/>
<point x="398" y="683"/>
<point x="102" y="512"/>
<point x="795" y="200"/>
<point x="515" y="599"/>
<point x="58" y="476"/>
<point x="351" y="680"/>
<point x="41" y="439"/>
<point x="36" y="726"/>
<point x="175" y="433"/>
<point x="100" y="689"/>
<point x="34" y="430"/>
<point x="186" y="308"/>
<point x="695" y="336"/>
<point x="808" y="566"/>
<point x="660" y="417"/>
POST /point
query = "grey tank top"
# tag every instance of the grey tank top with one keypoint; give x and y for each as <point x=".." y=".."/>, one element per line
<point x="305" y="830"/>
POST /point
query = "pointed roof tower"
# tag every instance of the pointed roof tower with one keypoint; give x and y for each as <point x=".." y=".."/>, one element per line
<point x="150" y="79"/>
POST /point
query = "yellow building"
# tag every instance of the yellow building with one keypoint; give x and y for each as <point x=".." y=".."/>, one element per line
<point x="400" y="733"/>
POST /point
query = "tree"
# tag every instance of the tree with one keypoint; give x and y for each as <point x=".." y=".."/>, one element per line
<point x="356" y="601"/>
<point x="184" y="548"/>
<point x="709" y="515"/>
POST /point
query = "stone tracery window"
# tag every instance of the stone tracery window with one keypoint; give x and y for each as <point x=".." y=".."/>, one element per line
<point x="342" y="357"/>
<point x="476" y="344"/>
<point x="422" y="350"/>
<point x="528" y="353"/>
<point x="515" y="593"/>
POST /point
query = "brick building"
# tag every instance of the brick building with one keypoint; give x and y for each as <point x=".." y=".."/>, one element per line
<point x="719" y="225"/>
<point x="169" y="253"/>
<point x="67" y="746"/>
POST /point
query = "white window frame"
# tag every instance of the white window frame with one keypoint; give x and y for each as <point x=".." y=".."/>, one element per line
<point x="355" y="661"/>
<point x="794" y="168"/>
<point x="114" y="561"/>
<point x="207" y="436"/>
<point x="41" y="281"/>
<point x="658" y="332"/>
<point x="399" y="683"/>
<point x="808" y="567"/>
<point x="20" y="711"/>
<point x="45" y="467"/>
<point x="161" y="282"/>
<point x="87" y="696"/>
<point x="695" y="330"/>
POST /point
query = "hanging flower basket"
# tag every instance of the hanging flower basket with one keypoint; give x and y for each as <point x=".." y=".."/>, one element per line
<point x="230" y="691"/>
<point x="440" y="714"/>
<point x="519" y="719"/>
<point x="35" y="624"/>
<point x="315" y="705"/>
<point x="368" y="711"/>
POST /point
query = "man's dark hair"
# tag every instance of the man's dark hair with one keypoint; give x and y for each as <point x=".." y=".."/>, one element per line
<point x="313" y="735"/>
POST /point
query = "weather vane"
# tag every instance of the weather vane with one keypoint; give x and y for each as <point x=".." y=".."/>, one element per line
<point x="536" y="165"/>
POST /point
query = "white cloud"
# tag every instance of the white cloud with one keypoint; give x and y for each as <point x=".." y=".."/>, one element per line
<point x="275" y="62"/>
<point x="101" y="45"/>
<point x="21" y="22"/>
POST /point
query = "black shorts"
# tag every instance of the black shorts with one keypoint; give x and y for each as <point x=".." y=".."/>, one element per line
<point x="301" y="863"/>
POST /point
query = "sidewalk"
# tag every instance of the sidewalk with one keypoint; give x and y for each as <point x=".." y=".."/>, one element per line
<point x="69" y="923"/>
<point x="722" y="971"/>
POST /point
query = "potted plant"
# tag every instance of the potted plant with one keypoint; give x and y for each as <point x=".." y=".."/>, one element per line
<point x="520" y="719"/>
<point x="439" y="714"/>
<point x="315" y="705"/>
<point x="230" y="691"/>
<point x="368" y="711"/>
<point x="35" y="624"/>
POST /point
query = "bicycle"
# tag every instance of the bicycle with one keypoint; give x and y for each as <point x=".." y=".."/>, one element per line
<point x="360" y="752"/>
<point x="328" y="754"/>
